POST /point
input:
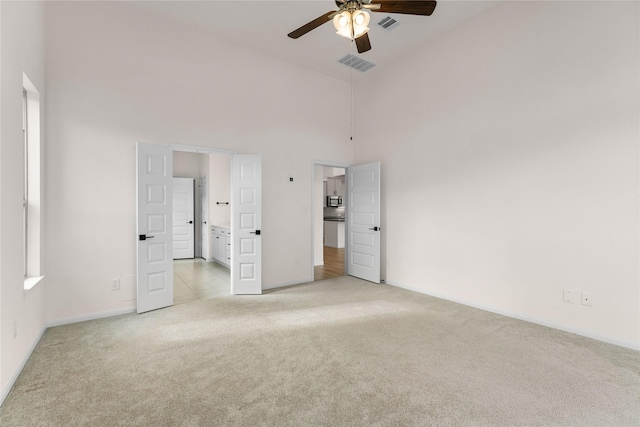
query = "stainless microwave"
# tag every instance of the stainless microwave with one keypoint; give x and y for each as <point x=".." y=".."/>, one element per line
<point x="334" y="201"/>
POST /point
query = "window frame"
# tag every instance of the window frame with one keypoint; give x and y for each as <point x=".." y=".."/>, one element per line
<point x="32" y="229"/>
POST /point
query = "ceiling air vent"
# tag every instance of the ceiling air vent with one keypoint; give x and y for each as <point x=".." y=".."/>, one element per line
<point x="356" y="63"/>
<point x="388" y="23"/>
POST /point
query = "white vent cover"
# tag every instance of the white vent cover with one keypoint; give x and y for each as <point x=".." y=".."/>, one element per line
<point x="388" y="23"/>
<point x="356" y="63"/>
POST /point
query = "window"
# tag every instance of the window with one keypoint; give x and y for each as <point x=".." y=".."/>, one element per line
<point x="31" y="202"/>
<point x="25" y="188"/>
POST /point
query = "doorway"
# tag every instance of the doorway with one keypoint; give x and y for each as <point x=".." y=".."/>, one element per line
<point x="329" y="212"/>
<point x="154" y="213"/>
<point x="202" y="275"/>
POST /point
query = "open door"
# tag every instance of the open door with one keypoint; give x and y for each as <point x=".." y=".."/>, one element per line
<point x="183" y="213"/>
<point x="363" y="221"/>
<point x="246" y="223"/>
<point x="154" y="210"/>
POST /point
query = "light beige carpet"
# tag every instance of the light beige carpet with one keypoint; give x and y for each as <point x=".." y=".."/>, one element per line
<point x="339" y="352"/>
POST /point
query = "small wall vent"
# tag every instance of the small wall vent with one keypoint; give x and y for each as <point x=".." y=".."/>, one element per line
<point x="356" y="63"/>
<point x="388" y="23"/>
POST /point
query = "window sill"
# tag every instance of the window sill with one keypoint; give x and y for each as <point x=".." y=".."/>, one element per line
<point x="31" y="282"/>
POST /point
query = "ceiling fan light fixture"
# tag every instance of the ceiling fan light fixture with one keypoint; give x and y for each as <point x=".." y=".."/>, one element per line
<point x="360" y="23"/>
<point x="359" y="17"/>
<point x="343" y="22"/>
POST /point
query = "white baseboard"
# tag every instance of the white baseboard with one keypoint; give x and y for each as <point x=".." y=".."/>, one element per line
<point x="16" y="374"/>
<point x="90" y="316"/>
<point x="284" y="284"/>
<point x="627" y="344"/>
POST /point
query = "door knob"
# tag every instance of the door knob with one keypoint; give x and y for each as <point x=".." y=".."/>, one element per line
<point x="189" y="222"/>
<point x="375" y="228"/>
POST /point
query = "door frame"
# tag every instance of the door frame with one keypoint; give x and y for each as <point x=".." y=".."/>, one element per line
<point x="345" y="203"/>
<point x="203" y="224"/>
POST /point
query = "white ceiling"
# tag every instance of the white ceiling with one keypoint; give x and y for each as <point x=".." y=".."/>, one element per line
<point x="263" y="25"/>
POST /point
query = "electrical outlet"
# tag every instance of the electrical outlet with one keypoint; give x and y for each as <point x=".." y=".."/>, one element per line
<point x="297" y="261"/>
<point x="568" y="296"/>
<point x="586" y="299"/>
<point x="115" y="284"/>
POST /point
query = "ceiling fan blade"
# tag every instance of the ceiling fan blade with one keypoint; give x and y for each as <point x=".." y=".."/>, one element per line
<point x="408" y="7"/>
<point x="362" y="43"/>
<point x="311" y="25"/>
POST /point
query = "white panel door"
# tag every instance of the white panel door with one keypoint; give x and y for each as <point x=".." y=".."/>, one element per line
<point x="204" y="216"/>
<point x="154" y="211"/>
<point x="363" y="223"/>
<point x="183" y="227"/>
<point x="246" y="221"/>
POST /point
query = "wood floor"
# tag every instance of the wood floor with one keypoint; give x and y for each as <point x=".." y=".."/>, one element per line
<point x="333" y="264"/>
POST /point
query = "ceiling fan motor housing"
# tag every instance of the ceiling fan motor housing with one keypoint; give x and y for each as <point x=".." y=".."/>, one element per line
<point x="350" y="5"/>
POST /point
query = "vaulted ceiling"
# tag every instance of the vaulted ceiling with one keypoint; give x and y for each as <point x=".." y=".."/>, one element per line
<point x="263" y="25"/>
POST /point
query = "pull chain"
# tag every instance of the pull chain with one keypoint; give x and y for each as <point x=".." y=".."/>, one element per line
<point x="351" y="84"/>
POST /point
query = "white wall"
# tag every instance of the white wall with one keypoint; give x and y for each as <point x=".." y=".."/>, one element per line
<point x="510" y="156"/>
<point x="115" y="77"/>
<point x="187" y="165"/>
<point x="21" y="33"/>
<point x="219" y="190"/>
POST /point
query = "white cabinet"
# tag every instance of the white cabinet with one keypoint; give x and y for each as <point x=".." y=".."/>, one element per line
<point x="221" y="245"/>
<point x="227" y="248"/>
<point x="334" y="234"/>
<point x="335" y="186"/>
<point x="214" y="251"/>
<point x="331" y="187"/>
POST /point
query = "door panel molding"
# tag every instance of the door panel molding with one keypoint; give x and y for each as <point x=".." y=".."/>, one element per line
<point x="183" y="218"/>
<point x="246" y="223"/>
<point x="154" y="231"/>
<point x="363" y="221"/>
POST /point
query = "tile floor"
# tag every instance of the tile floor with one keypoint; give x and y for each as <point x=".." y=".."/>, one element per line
<point x="195" y="279"/>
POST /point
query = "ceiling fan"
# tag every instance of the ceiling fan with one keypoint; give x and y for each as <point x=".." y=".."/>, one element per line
<point x="351" y="18"/>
